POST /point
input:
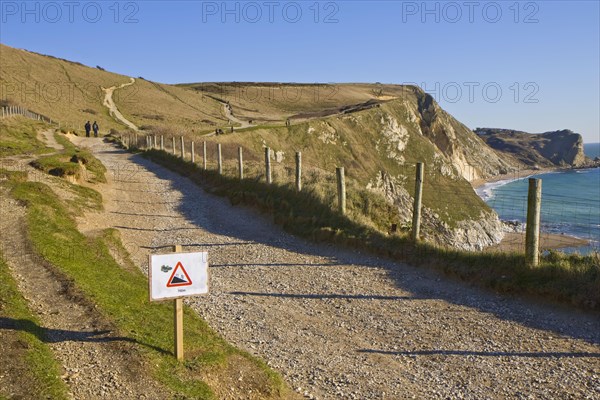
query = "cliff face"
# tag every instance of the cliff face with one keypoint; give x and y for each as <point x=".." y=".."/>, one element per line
<point x="379" y="148"/>
<point x="473" y="232"/>
<point x="550" y="149"/>
<point x="468" y="153"/>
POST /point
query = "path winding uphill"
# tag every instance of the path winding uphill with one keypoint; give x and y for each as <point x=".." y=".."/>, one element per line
<point x="340" y="324"/>
<point x="232" y="118"/>
<point x="112" y="107"/>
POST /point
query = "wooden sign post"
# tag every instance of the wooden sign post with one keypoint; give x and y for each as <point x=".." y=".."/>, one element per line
<point x="178" y="319"/>
<point x="173" y="276"/>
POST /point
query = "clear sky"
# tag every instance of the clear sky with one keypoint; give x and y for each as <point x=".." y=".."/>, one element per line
<point x="530" y="65"/>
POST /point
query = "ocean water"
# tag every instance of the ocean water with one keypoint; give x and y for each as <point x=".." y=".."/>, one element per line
<point x="592" y="150"/>
<point x="570" y="202"/>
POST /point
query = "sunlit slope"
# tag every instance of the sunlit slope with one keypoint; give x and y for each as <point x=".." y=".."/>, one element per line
<point x="276" y="102"/>
<point x="379" y="148"/>
<point x="72" y="93"/>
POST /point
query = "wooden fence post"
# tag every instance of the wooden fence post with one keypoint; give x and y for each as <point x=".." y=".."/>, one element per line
<point x="532" y="232"/>
<point x="204" y="155"/>
<point x="162" y="142"/>
<point x="219" y="159"/>
<point x="416" y="222"/>
<point x="268" y="165"/>
<point x="178" y="319"/>
<point x="240" y="162"/>
<point x="174" y="149"/>
<point x="341" y="189"/>
<point x="182" y="149"/>
<point x="193" y="153"/>
<point x="298" y="171"/>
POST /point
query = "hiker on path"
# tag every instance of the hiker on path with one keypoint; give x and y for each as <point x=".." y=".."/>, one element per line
<point x="88" y="128"/>
<point x="95" y="128"/>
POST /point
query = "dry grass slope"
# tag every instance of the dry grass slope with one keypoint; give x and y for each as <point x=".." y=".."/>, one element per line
<point x="71" y="93"/>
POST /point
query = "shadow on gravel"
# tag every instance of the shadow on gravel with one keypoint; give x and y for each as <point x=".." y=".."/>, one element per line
<point x="134" y="228"/>
<point x="484" y="353"/>
<point x="48" y="335"/>
<point x="275" y="265"/>
<point x="325" y="296"/>
<point x="217" y="216"/>
<point x="195" y="245"/>
<point x="146" y="215"/>
<point x="144" y="202"/>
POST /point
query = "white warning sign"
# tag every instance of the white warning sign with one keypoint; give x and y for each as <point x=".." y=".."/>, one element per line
<point x="176" y="275"/>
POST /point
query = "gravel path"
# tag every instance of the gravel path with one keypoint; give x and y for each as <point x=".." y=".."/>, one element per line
<point x="341" y="324"/>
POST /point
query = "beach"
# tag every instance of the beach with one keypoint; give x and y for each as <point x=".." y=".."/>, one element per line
<point x="521" y="174"/>
<point x="515" y="242"/>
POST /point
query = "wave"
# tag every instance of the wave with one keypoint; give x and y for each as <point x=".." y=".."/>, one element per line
<point x="486" y="191"/>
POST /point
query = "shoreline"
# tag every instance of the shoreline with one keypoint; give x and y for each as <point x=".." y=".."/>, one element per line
<point x="521" y="174"/>
<point x="525" y="173"/>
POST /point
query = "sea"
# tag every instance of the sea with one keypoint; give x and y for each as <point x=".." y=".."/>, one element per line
<point x="570" y="202"/>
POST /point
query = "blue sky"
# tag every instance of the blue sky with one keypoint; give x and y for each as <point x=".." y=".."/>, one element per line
<point x="530" y="65"/>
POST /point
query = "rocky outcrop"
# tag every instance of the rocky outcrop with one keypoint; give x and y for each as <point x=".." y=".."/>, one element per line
<point x="467" y="152"/>
<point x="470" y="234"/>
<point x="562" y="148"/>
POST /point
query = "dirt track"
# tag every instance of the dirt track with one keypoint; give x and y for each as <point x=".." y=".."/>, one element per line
<point x="340" y="324"/>
<point x="112" y="107"/>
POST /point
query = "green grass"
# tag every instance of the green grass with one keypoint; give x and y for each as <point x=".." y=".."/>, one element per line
<point x="18" y="135"/>
<point x="42" y="368"/>
<point x="121" y="294"/>
<point x="58" y="165"/>
<point x="71" y="162"/>
<point x="564" y="278"/>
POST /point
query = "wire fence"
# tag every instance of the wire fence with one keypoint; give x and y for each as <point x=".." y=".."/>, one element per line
<point x="567" y="223"/>
<point x="13" y="111"/>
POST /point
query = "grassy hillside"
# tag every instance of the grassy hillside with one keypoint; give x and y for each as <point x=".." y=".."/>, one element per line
<point x="275" y="102"/>
<point x="379" y="148"/>
<point x="377" y="132"/>
<point x="71" y="93"/>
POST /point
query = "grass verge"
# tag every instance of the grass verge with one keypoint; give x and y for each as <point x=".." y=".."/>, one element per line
<point x="19" y="136"/>
<point x="38" y="370"/>
<point x="570" y="279"/>
<point x="212" y="366"/>
<point x="71" y="162"/>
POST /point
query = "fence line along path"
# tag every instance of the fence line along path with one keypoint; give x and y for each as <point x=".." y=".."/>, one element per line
<point x="340" y="324"/>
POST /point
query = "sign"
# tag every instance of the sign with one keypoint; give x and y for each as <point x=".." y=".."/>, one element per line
<point x="177" y="275"/>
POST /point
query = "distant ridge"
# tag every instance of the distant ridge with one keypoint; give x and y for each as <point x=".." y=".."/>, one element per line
<point x="563" y="148"/>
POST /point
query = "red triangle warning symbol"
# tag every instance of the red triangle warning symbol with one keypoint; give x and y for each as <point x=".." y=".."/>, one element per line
<point x="179" y="277"/>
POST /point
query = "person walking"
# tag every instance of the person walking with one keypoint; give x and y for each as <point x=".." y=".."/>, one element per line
<point x="95" y="128"/>
<point x="88" y="128"/>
